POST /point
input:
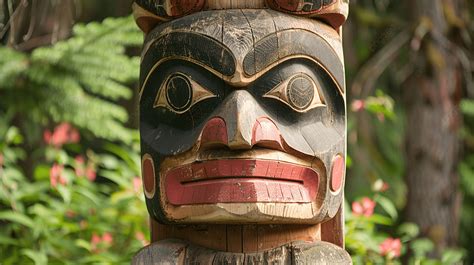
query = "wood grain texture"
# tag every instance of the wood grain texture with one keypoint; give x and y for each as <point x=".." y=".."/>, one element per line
<point x="237" y="238"/>
<point x="234" y="4"/>
<point x="332" y="231"/>
<point x="239" y="54"/>
<point x="178" y="252"/>
<point x="234" y="238"/>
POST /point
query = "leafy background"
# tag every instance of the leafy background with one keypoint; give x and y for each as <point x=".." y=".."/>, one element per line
<point x="70" y="191"/>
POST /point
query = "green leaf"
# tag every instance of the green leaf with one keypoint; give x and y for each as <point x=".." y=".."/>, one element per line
<point x="380" y="219"/>
<point x="7" y="240"/>
<point x="90" y="195"/>
<point x="387" y="205"/>
<point x="42" y="172"/>
<point x="408" y="231"/>
<point x="83" y="244"/>
<point x="65" y="193"/>
<point x="17" y="217"/>
<point x="38" y="257"/>
<point x="467" y="107"/>
<point x="452" y="256"/>
<point x="422" y="246"/>
<point x="13" y="136"/>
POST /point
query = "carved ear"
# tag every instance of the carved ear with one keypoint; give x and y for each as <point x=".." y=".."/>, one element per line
<point x="145" y="20"/>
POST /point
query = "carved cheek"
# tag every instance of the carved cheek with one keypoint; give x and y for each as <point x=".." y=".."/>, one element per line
<point x="148" y="172"/>
<point x="337" y="173"/>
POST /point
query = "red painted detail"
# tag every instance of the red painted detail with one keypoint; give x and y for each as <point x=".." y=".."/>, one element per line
<point x="215" y="131"/>
<point x="240" y="180"/>
<point x="337" y="172"/>
<point x="184" y="7"/>
<point x="265" y="133"/>
<point x="148" y="172"/>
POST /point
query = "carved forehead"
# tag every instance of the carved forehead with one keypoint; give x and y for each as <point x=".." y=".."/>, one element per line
<point x="241" y="44"/>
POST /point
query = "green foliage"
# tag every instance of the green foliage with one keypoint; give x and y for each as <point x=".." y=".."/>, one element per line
<point x="54" y="212"/>
<point x="56" y="224"/>
<point x="73" y="197"/>
<point x="466" y="174"/>
<point x="368" y="236"/>
<point x="376" y="123"/>
<point x="76" y="80"/>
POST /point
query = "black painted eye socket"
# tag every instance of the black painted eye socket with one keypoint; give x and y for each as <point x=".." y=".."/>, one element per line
<point x="179" y="92"/>
<point x="300" y="91"/>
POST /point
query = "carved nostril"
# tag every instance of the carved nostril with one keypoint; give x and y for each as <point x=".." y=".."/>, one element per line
<point x="239" y="142"/>
<point x="265" y="133"/>
<point x="214" y="132"/>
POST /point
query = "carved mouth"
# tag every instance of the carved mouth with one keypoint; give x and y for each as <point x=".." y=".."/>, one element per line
<point x="241" y="181"/>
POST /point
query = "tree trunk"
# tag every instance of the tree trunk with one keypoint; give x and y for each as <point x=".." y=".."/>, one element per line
<point x="433" y="144"/>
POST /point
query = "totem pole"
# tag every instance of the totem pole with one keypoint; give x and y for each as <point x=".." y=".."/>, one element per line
<point x="243" y="131"/>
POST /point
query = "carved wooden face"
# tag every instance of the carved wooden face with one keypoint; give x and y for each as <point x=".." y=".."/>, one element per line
<point x="243" y="119"/>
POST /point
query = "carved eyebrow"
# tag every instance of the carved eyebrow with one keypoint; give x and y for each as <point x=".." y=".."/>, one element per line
<point x="294" y="43"/>
<point x="189" y="46"/>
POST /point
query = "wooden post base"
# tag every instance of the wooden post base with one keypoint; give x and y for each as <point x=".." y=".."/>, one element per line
<point x="173" y="251"/>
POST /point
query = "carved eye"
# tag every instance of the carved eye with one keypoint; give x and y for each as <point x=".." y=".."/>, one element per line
<point x="179" y="93"/>
<point x="300" y="92"/>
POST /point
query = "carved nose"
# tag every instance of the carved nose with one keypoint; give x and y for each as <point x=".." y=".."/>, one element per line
<point x="239" y="126"/>
<point x="240" y="113"/>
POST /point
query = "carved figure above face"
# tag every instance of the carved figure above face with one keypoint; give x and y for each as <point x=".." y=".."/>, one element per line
<point x="243" y="118"/>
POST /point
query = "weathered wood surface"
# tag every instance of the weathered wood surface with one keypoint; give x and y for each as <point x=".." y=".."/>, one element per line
<point x="149" y="13"/>
<point x="242" y="108"/>
<point x="249" y="118"/>
<point x="237" y="238"/>
<point x="176" y="252"/>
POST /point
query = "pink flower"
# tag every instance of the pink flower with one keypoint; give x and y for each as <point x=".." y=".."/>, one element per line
<point x="64" y="133"/>
<point x="107" y="238"/>
<point x="55" y="175"/>
<point x="391" y="247"/>
<point x="79" y="160"/>
<point x="79" y="166"/>
<point x="137" y="184"/>
<point x="74" y="136"/>
<point x="364" y="207"/>
<point x="95" y="241"/>
<point x="357" y="105"/>
<point x="99" y="241"/>
<point x="60" y="134"/>
<point x="47" y="136"/>
<point x="90" y="172"/>
<point x="384" y="187"/>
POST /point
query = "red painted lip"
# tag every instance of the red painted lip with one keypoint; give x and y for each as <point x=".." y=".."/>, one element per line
<point x="240" y="180"/>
